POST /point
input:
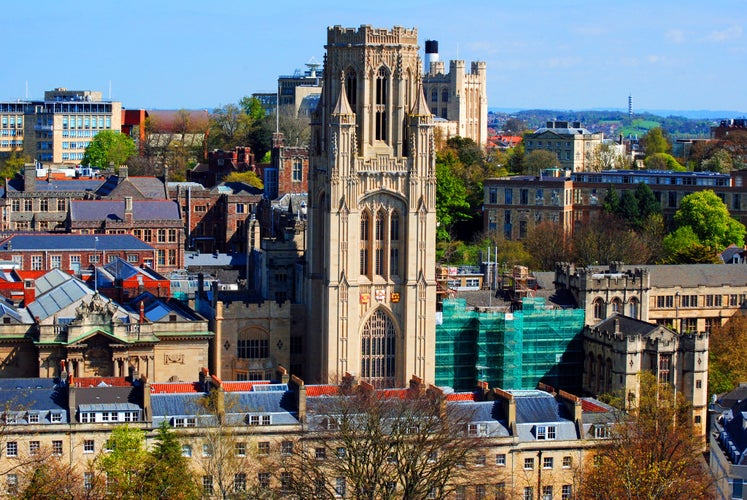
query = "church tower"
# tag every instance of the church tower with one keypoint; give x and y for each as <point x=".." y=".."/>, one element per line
<point x="372" y="213"/>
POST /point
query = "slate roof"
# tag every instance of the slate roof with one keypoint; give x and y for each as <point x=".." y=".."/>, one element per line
<point x="97" y="210"/>
<point x="55" y="299"/>
<point x="155" y="309"/>
<point x="688" y="275"/>
<point x="196" y="259"/>
<point x="735" y="437"/>
<point x="91" y="398"/>
<point x="145" y="186"/>
<point x="68" y="185"/>
<point x="101" y="242"/>
<point x="628" y="326"/>
<point x="237" y="188"/>
<point x="534" y="407"/>
<point x="34" y="394"/>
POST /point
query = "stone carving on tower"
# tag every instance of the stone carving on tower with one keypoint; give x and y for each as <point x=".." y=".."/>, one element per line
<point x="372" y="213"/>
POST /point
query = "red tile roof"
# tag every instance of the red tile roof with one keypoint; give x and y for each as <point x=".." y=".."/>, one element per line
<point x="242" y="386"/>
<point x="592" y="407"/>
<point x="321" y="390"/>
<point x="461" y="396"/>
<point x="174" y="387"/>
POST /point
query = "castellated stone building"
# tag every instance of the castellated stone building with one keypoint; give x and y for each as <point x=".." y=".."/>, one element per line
<point x="460" y="97"/>
<point x="372" y="212"/>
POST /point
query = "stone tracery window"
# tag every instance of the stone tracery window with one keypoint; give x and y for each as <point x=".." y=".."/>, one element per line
<point x="378" y="350"/>
<point x="599" y="312"/>
<point x="382" y="97"/>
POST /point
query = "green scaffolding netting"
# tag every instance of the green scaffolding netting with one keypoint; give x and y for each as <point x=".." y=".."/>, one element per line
<point x="509" y="350"/>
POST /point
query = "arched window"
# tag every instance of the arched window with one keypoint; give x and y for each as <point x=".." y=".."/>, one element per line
<point x="592" y="374"/>
<point x="351" y="88"/>
<point x="445" y="95"/>
<point x="382" y="97"/>
<point x="394" y="244"/>
<point x="380" y="243"/>
<point x="378" y="350"/>
<point x="599" y="312"/>
<point x="434" y="95"/>
<point x="365" y="235"/>
<point x="616" y="306"/>
<point x="608" y="377"/>
<point x="633" y="308"/>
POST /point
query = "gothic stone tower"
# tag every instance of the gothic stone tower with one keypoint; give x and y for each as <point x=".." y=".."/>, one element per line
<point x="372" y="213"/>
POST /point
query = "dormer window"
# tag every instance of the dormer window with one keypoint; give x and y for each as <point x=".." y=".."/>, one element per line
<point x="477" y="430"/>
<point x="545" y="432"/>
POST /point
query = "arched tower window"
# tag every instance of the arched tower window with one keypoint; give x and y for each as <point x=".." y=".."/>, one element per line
<point x="378" y="350"/>
<point x="351" y="88"/>
<point x="380" y="242"/>
<point x="382" y="91"/>
<point x="599" y="312"/>
<point x="365" y="237"/>
<point x="633" y="308"/>
<point x="394" y="250"/>
<point x="616" y="306"/>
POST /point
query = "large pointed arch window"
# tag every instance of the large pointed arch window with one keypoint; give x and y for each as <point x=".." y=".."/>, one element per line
<point x="364" y="245"/>
<point x="394" y="244"/>
<point x="382" y="91"/>
<point x="378" y="351"/>
<point x="380" y="243"/>
<point x="351" y="87"/>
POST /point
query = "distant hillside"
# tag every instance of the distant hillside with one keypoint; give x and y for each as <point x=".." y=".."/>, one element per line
<point x="611" y="122"/>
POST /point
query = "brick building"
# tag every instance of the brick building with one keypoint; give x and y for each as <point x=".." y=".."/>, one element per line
<point x="76" y="254"/>
<point x="156" y="222"/>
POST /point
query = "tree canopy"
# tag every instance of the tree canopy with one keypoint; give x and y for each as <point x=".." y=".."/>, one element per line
<point x="656" y="141"/>
<point x="247" y="177"/>
<point x="709" y="219"/>
<point x="451" y="194"/>
<point x="13" y="164"/>
<point x="653" y="451"/>
<point x="727" y="355"/>
<point x="539" y="160"/>
<point x="109" y="147"/>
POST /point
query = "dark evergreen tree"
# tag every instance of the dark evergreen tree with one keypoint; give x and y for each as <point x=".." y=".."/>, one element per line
<point x="647" y="204"/>
<point x="611" y="202"/>
<point x="628" y="210"/>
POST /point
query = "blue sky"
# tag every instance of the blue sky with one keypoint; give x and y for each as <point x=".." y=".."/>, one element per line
<point x="676" y="55"/>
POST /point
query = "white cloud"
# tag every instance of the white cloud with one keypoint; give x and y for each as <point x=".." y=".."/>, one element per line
<point x="730" y="33"/>
<point x="562" y="62"/>
<point x="675" y="36"/>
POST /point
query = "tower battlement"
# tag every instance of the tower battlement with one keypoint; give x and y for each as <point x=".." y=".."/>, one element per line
<point x="366" y="34"/>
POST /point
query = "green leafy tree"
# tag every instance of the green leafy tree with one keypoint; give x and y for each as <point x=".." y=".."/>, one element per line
<point x="109" y="147"/>
<point x="682" y="246"/>
<point x="252" y="107"/>
<point x="247" y="177"/>
<point x="126" y="465"/>
<point x="12" y="165"/>
<point x="656" y="141"/>
<point x="709" y="219"/>
<point x="169" y="473"/>
<point x="653" y="452"/>
<point x="451" y="194"/>
<point x="663" y="161"/>
<point x="229" y="127"/>
<point x="721" y="162"/>
<point x="606" y="156"/>
<point x="539" y="160"/>
<point x="727" y="355"/>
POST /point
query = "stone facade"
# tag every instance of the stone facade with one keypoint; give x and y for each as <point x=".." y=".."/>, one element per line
<point x="573" y="144"/>
<point x="459" y="97"/>
<point x="619" y="348"/>
<point x="372" y="219"/>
